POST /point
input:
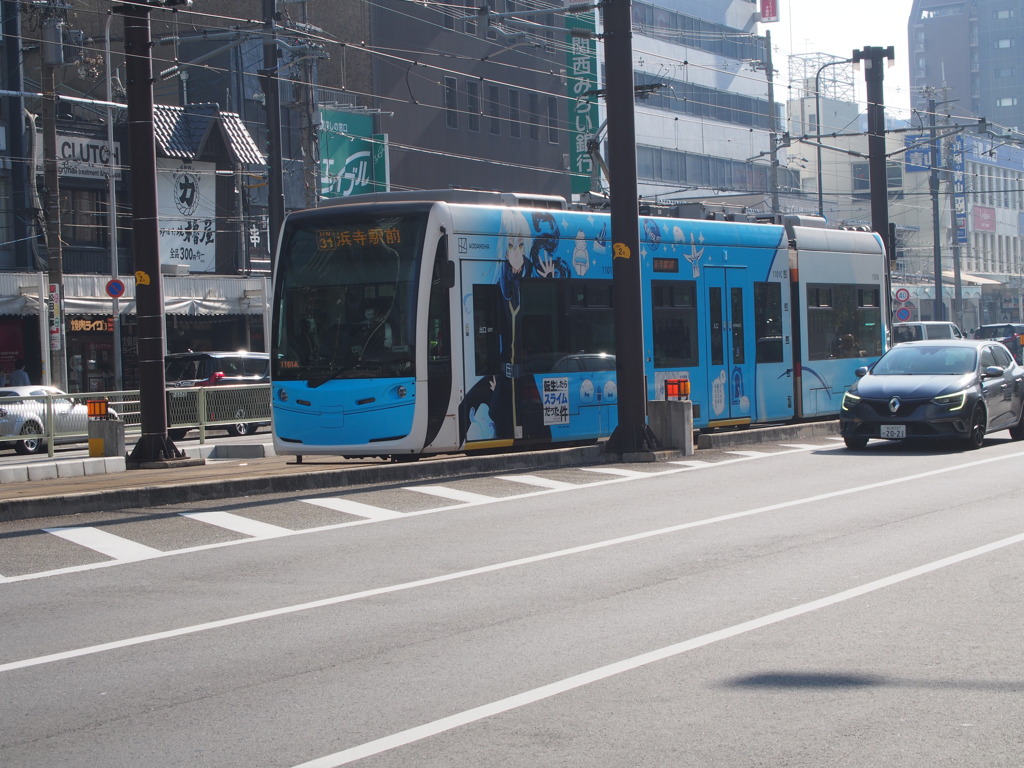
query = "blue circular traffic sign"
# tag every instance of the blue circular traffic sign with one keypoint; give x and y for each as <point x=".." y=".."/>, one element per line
<point x="115" y="289"/>
<point x="902" y="314"/>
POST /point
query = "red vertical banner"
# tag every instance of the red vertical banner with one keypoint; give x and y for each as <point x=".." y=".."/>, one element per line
<point x="769" y="10"/>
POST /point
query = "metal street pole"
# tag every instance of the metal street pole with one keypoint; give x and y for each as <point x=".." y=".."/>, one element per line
<point x="154" y="448"/>
<point x="817" y="123"/>
<point x="632" y="435"/>
<point x="933" y="189"/>
<point x="773" y="128"/>
<point x="874" y="74"/>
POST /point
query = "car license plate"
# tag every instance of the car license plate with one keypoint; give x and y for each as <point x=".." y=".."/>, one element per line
<point x="893" y="431"/>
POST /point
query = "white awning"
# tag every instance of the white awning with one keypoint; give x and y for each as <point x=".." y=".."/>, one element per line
<point x="972" y="279"/>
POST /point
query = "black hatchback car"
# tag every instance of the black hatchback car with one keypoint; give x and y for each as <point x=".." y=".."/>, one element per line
<point x="947" y="388"/>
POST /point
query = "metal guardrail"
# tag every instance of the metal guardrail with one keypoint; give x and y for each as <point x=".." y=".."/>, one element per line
<point x="64" y="418"/>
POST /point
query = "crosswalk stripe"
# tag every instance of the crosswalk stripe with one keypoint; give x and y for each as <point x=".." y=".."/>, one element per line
<point x="357" y="508"/>
<point x="108" y="544"/>
<point x="615" y="471"/>
<point x="450" y="493"/>
<point x="540" y="482"/>
<point x="238" y="524"/>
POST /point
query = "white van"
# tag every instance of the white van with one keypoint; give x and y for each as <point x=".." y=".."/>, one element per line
<point x="929" y="329"/>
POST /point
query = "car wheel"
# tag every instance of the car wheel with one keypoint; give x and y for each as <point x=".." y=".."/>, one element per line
<point x="241" y="429"/>
<point x="855" y="442"/>
<point x="30" y="444"/>
<point x="979" y="425"/>
<point x="1017" y="430"/>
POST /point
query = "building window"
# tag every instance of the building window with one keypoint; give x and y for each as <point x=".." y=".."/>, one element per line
<point x="1004" y="72"/>
<point x="473" y="105"/>
<point x="451" y="102"/>
<point x="862" y="180"/>
<point x="83" y="217"/>
<point x="1005" y="13"/>
<point x="534" y="116"/>
<point x="552" y="120"/>
<point x="515" y="126"/>
<point x="1007" y="101"/>
<point x="1006" y="42"/>
<point x="494" y="109"/>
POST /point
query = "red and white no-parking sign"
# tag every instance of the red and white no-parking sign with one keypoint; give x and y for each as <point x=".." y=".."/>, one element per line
<point x="115" y="289"/>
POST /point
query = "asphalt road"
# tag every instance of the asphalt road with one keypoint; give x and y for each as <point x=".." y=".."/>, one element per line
<point x="794" y="605"/>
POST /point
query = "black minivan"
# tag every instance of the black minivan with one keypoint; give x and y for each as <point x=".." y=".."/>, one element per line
<point x="246" y="409"/>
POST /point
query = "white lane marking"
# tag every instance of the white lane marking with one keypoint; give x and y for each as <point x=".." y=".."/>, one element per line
<point x="693" y="464"/>
<point x="238" y="524"/>
<point x="539" y="482"/>
<point x="355" y="508"/>
<point x="802" y="446"/>
<point x="338" y="599"/>
<point x="450" y="493"/>
<point x="748" y="454"/>
<point x="630" y="473"/>
<point x="435" y="510"/>
<point x="526" y="698"/>
<point x="116" y="547"/>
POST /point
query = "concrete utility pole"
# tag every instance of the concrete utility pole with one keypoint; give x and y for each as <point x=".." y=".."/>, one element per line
<point x="272" y="99"/>
<point x="154" y="448"/>
<point x="632" y="434"/>
<point x="874" y="74"/>
<point x="933" y="188"/>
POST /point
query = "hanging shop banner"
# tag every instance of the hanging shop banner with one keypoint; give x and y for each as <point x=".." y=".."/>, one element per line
<point x="956" y="161"/>
<point x="351" y="155"/>
<point x="918" y="155"/>
<point x="769" y="10"/>
<point x="186" y="207"/>
<point x="583" y="117"/>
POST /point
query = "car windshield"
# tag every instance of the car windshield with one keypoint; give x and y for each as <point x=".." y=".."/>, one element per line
<point x="915" y="360"/>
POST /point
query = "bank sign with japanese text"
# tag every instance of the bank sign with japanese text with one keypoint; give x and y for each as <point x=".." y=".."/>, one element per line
<point x="186" y="193"/>
<point x="353" y="160"/>
<point x="583" y="117"/>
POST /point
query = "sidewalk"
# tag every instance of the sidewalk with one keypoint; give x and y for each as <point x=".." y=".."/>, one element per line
<point x="59" y="487"/>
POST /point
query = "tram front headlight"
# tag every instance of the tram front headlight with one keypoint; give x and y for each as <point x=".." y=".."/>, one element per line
<point x="282" y="395"/>
<point x="401" y="392"/>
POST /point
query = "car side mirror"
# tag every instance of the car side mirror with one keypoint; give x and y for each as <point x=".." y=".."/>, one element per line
<point x="861" y="372"/>
<point x="993" y="372"/>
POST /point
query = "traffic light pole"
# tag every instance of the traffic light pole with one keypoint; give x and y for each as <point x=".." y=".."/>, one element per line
<point x="874" y="74"/>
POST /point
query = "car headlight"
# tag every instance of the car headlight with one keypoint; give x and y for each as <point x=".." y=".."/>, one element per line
<point x="850" y="400"/>
<point x="954" y="402"/>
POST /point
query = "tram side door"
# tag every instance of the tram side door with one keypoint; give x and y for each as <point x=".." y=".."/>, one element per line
<point x="730" y="362"/>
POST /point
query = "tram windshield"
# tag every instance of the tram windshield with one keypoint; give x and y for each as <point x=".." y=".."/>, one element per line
<point x="346" y="298"/>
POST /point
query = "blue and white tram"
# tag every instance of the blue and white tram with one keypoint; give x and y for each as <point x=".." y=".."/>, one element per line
<point x="404" y="327"/>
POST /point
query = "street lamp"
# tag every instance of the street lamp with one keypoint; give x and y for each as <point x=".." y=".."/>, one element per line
<point x="817" y="125"/>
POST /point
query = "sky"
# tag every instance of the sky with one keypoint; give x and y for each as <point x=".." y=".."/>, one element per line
<point x="828" y="26"/>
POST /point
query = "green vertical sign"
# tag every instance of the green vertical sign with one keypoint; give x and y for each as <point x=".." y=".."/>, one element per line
<point x="353" y="161"/>
<point x="583" y="115"/>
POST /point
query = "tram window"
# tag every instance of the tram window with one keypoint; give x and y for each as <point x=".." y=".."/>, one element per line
<point x="739" y="354"/>
<point x="717" y="340"/>
<point x="486" y="344"/>
<point x="847" y="325"/>
<point x="675" y="324"/>
<point x="768" y="322"/>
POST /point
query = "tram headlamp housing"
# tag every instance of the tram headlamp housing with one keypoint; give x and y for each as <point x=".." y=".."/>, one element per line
<point x="282" y="395"/>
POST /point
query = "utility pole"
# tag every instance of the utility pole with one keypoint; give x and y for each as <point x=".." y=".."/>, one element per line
<point x="53" y="57"/>
<point x="22" y="166"/>
<point x="154" y="448"/>
<point x="874" y="74"/>
<point x="773" y="128"/>
<point x="632" y="435"/>
<point x="272" y="99"/>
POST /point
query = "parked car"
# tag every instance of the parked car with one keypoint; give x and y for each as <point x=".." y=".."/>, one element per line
<point x="249" y="409"/>
<point x="27" y="418"/>
<point x="952" y="388"/>
<point x="1010" y="334"/>
<point x="927" y="329"/>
